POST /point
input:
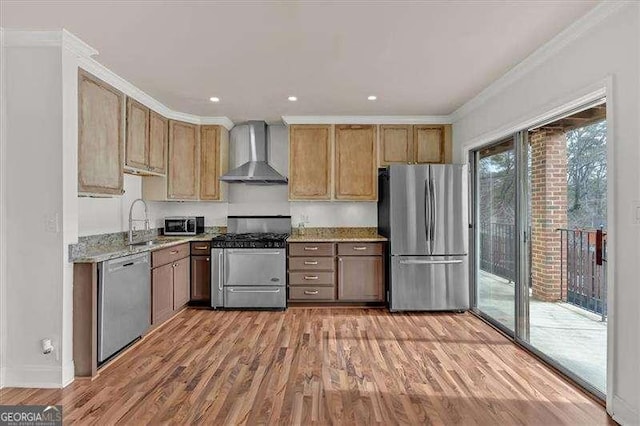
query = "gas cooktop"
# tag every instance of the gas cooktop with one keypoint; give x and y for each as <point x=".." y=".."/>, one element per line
<point x="250" y="240"/>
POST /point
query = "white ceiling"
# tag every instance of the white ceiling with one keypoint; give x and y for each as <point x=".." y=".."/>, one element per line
<point x="419" y="58"/>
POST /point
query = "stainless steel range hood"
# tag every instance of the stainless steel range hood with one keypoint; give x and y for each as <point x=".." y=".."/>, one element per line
<point x="257" y="170"/>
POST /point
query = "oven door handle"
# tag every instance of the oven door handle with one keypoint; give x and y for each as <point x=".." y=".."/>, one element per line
<point x="233" y="290"/>
<point x="253" y="253"/>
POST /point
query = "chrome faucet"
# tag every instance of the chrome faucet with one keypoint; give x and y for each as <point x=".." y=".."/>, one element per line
<point x="131" y="219"/>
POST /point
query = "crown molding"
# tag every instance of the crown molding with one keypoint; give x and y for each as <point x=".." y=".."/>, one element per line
<point x="542" y="54"/>
<point x="366" y="119"/>
<point x="77" y="46"/>
<point x="108" y="76"/>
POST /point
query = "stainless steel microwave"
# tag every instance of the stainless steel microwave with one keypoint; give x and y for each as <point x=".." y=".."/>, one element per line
<point x="183" y="225"/>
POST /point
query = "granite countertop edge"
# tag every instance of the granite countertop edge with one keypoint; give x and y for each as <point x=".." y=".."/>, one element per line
<point x="334" y="239"/>
<point x="114" y="252"/>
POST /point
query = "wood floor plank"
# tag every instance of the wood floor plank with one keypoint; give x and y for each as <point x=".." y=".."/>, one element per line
<point x="313" y="366"/>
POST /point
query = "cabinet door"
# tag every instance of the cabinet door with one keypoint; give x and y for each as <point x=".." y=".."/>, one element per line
<point x="137" y="152"/>
<point x="158" y="138"/>
<point x="356" y="162"/>
<point x="161" y="293"/>
<point x="428" y="142"/>
<point x="209" y="162"/>
<point x="360" y="278"/>
<point x="100" y="137"/>
<point x="200" y="278"/>
<point x="309" y="162"/>
<point x="181" y="283"/>
<point x="396" y="144"/>
<point x="183" y="161"/>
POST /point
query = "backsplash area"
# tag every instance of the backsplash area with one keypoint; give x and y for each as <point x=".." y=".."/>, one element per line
<point x="111" y="215"/>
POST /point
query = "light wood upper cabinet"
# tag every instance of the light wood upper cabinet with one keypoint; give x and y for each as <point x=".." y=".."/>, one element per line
<point x="356" y="161"/>
<point x="213" y="161"/>
<point x="428" y="144"/>
<point x="137" y="152"/>
<point x="396" y="145"/>
<point x="310" y="162"/>
<point x="100" y="137"/>
<point x="414" y="144"/>
<point x="197" y="157"/>
<point x="183" y="161"/>
<point x="158" y="140"/>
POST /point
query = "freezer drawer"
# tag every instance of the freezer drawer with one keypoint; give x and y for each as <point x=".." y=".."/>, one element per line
<point x="262" y="297"/>
<point x="429" y="283"/>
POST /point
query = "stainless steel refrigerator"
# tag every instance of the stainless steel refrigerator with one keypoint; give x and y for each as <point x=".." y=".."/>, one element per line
<point x="423" y="210"/>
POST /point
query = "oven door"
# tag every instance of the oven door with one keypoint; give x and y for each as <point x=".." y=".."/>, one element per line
<point x="254" y="267"/>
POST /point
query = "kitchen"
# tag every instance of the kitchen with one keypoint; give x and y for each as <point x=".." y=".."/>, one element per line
<point x="340" y="236"/>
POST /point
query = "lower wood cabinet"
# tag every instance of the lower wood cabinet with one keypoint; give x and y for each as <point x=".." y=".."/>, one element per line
<point x="161" y="293"/>
<point x="181" y="285"/>
<point x="200" y="271"/>
<point x="358" y="277"/>
<point x="170" y="282"/>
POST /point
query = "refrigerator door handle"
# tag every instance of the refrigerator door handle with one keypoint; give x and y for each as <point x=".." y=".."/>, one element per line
<point x="434" y="212"/>
<point x="427" y="213"/>
<point x="430" y="262"/>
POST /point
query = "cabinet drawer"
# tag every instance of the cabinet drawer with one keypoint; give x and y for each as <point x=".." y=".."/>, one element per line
<point x="201" y="248"/>
<point x="311" y="278"/>
<point x="312" y="293"/>
<point x="312" y="264"/>
<point x="311" y="249"/>
<point x="170" y="254"/>
<point x="360" y="249"/>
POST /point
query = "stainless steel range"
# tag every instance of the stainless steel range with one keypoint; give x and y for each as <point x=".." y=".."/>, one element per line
<point x="248" y="264"/>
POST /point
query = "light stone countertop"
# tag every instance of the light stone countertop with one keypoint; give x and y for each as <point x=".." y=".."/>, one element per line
<point x="102" y="252"/>
<point x="317" y="235"/>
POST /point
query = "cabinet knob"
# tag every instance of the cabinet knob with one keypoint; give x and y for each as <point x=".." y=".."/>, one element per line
<point x="311" y="248"/>
<point x="311" y="292"/>
<point x="208" y="259"/>
<point x="311" y="277"/>
<point x="360" y="248"/>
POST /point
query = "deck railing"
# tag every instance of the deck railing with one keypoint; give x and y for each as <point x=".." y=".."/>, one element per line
<point x="583" y="268"/>
<point x="497" y="249"/>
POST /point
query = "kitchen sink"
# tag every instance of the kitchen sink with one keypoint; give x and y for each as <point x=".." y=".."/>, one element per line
<point x="145" y="243"/>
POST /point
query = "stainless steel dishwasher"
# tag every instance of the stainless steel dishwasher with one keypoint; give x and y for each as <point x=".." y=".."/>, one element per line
<point x="124" y="302"/>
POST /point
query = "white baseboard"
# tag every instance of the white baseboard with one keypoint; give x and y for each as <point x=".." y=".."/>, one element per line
<point x="33" y="376"/>
<point x="68" y="373"/>
<point x="623" y="413"/>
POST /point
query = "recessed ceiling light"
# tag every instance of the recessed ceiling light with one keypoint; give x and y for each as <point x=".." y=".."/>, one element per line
<point x="372" y="98"/>
<point x="214" y="99"/>
<point x="292" y="98"/>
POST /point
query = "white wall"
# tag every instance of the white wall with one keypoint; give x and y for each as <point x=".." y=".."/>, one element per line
<point x="609" y="47"/>
<point x="34" y="210"/>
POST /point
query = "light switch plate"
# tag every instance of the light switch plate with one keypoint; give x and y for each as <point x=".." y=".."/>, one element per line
<point x="51" y="223"/>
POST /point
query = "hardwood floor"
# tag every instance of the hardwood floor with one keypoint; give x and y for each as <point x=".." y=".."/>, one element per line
<point x="323" y="366"/>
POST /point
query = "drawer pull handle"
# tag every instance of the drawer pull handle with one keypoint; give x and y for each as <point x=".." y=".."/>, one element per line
<point x="311" y="293"/>
<point x="311" y="248"/>
<point x="310" y="262"/>
<point x="311" y="277"/>
<point x="201" y="248"/>
<point x="174" y="252"/>
<point x="360" y="248"/>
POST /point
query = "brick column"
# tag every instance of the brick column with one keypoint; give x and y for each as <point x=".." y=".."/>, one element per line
<point x="548" y="210"/>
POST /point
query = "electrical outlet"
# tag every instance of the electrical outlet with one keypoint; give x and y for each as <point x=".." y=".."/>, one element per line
<point x="636" y="212"/>
<point x="51" y="223"/>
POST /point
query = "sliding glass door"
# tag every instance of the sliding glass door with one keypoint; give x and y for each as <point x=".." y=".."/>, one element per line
<point x="495" y="190"/>
<point x="539" y="233"/>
